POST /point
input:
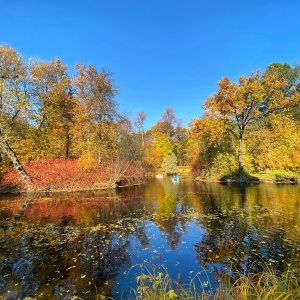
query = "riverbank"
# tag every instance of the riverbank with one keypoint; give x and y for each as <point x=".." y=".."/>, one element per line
<point x="254" y="178"/>
<point x="264" y="285"/>
<point x="33" y="189"/>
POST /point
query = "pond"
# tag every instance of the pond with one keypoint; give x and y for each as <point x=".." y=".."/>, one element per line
<point x="92" y="244"/>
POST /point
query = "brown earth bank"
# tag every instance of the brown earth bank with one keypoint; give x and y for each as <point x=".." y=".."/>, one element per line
<point x="33" y="189"/>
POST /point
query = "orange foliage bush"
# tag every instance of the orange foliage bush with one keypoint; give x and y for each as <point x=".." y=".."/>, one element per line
<point x="62" y="173"/>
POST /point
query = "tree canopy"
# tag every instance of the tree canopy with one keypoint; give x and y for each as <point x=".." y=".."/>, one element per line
<point x="239" y="105"/>
<point x="250" y="125"/>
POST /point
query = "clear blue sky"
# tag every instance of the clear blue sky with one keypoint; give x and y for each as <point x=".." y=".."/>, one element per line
<point x="163" y="53"/>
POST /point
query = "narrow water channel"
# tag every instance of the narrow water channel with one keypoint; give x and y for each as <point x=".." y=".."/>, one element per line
<point x="88" y="244"/>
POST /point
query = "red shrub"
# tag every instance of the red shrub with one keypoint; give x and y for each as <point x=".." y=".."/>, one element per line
<point x="68" y="174"/>
<point x="54" y="174"/>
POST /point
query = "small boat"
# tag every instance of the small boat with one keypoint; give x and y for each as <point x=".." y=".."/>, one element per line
<point x="175" y="178"/>
<point x="160" y="176"/>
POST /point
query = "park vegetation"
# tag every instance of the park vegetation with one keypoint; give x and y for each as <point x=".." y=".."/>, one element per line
<point x="153" y="285"/>
<point x="62" y="131"/>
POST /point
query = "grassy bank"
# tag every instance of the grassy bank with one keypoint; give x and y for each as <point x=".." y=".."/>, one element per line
<point x="266" y="285"/>
<point x="270" y="177"/>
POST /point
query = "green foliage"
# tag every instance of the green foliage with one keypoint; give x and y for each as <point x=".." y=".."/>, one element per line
<point x="154" y="285"/>
<point x="47" y="113"/>
<point x="282" y="175"/>
<point x="169" y="164"/>
<point x="265" y="285"/>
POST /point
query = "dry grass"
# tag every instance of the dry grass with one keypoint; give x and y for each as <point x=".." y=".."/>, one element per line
<point x="264" y="286"/>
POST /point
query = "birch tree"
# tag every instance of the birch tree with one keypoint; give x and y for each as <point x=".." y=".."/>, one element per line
<point x="14" y="101"/>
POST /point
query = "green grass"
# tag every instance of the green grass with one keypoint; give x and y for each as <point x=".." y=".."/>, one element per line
<point x="284" y="176"/>
<point x="272" y="176"/>
<point x="184" y="170"/>
<point x="267" y="285"/>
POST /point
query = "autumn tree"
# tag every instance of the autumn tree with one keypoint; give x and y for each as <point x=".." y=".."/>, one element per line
<point x="238" y="105"/>
<point x="139" y="121"/>
<point x="96" y="93"/>
<point x="128" y="141"/>
<point x="14" y="101"/>
<point x="180" y="141"/>
<point x="169" y="164"/>
<point x="166" y="132"/>
<point x="55" y="100"/>
<point x="212" y="147"/>
<point x="274" y="147"/>
<point x="153" y="157"/>
<point x="167" y="124"/>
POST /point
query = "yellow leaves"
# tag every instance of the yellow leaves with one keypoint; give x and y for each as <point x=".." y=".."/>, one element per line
<point x="209" y="128"/>
<point x="237" y="108"/>
<point x="87" y="162"/>
<point x="153" y="157"/>
<point x="237" y="100"/>
<point x="296" y="157"/>
<point x="276" y="144"/>
<point x="163" y="143"/>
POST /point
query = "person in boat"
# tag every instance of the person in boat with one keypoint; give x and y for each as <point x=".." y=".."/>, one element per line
<point x="175" y="177"/>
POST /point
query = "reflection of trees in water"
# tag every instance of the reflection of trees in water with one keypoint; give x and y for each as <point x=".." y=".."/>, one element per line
<point x="244" y="238"/>
<point x="139" y="231"/>
<point x="53" y="254"/>
<point x="164" y="206"/>
<point x="168" y="217"/>
<point x="103" y="253"/>
<point x="8" y="226"/>
<point x="78" y="242"/>
<point x="59" y="258"/>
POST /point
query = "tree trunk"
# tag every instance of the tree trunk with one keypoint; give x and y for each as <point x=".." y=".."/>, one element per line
<point x="241" y="160"/>
<point x="14" y="159"/>
<point x="67" y="146"/>
<point x="143" y="141"/>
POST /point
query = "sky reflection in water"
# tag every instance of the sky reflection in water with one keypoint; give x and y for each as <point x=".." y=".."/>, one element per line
<point x="87" y="244"/>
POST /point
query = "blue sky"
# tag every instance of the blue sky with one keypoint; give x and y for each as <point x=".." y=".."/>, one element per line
<point x="163" y="53"/>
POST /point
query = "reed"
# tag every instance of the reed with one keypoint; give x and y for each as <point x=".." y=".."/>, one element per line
<point x="267" y="285"/>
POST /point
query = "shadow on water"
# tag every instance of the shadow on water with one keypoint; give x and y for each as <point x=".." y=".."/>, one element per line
<point x="60" y="246"/>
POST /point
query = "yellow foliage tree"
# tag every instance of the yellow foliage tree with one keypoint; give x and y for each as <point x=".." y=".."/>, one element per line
<point x="238" y="105"/>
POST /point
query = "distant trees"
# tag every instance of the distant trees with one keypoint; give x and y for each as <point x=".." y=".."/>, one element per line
<point x="166" y="138"/>
<point x="252" y="124"/>
<point x="139" y="121"/>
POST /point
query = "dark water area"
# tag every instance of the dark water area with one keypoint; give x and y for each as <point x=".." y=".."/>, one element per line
<point x="91" y="244"/>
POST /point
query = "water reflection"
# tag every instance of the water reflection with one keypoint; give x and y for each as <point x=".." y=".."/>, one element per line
<point x="58" y="246"/>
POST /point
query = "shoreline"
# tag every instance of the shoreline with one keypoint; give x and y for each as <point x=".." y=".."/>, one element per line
<point x="104" y="187"/>
<point x="252" y="181"/>
<point x="33" y="190"/>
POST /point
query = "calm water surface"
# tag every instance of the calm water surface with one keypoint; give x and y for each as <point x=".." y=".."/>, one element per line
<point x="84" y="245"/>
